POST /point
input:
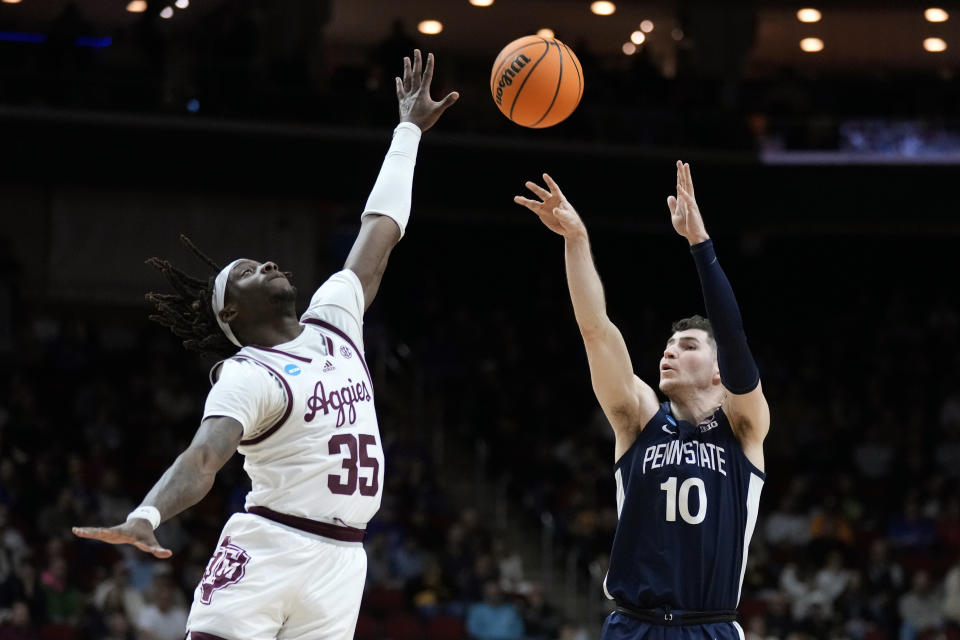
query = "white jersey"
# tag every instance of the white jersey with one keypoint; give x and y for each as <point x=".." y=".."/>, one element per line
<point x="311" y="442"/>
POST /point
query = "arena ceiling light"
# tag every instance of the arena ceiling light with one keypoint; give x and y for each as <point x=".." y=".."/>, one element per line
<point x="11" y="1"/>
<point x="808" y="15"/>
<point x="603" y="8"/>
<point x="936" y="14"/>
<point x="137" y="6"/>
<point x="430" y="27"/>
<point x="182" y="4"/>
<point x="935" y="45"/>
<point x="629" y="48"/>
<point x="646" y="26"/>
<point x="166" y="13"/>
<point x="481" y="3"/>
<point x="811" y="45"/>
<point x="637" y="37"/>
<point x="545" y="33"/>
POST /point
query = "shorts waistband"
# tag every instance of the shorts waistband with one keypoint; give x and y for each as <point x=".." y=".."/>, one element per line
<point x="325" y="529"/>
<point x="665" y="617"/>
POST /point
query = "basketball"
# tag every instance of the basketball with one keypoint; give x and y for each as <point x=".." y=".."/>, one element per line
<point x="536" y="82"/>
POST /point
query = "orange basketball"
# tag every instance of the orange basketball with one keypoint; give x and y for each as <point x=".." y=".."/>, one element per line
<point x="536" y="82"/>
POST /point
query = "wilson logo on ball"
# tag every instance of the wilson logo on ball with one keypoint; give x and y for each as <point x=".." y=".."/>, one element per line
<point x="506" y="79"/>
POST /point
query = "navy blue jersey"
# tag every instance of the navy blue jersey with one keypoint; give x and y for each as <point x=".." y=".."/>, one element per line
<point x="687" y="500"/>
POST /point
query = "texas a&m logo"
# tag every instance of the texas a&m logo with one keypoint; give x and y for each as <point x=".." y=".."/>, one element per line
<point x="226" y="567"/>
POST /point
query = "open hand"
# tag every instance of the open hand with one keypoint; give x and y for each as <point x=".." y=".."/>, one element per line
<point x="136" y="532"/>
<point x="684" y="212"/>
<point x="553" y="209"/>
<point x="413" y="92"/>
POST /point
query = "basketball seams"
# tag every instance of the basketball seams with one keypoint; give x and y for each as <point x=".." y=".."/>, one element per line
<point x="556" y="91"/>
<point x="506" y="59"/>
<point x="576" y="66"/>
<point x="527" y="109"/>
<point x="516" y="96"/>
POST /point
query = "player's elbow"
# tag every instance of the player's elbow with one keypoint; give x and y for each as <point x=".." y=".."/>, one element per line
<point x="594" y="330"/>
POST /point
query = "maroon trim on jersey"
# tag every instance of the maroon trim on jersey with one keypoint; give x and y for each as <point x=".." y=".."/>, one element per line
<point x="283" y="353"/>
<point x="201" y="635"/>
<point x="339" y="332"/>
<point x="286" y="414"/>
<point x="325" y="529"/>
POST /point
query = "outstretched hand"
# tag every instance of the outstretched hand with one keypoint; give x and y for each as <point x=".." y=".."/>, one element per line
<point x="136" y="532"/>
<point x="413" y="92"/>
<point x="684" y="212"/>
<point x="553" y="209"/>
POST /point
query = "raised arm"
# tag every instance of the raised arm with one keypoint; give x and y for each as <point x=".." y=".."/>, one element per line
<point x="183" y="485"/>
<point x="745" y="403"/>
<point x="627" y="401"/>
<point x="385" y="217"/>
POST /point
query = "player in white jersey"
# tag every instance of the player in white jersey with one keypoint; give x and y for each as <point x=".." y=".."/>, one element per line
<point x="297" y="401"/>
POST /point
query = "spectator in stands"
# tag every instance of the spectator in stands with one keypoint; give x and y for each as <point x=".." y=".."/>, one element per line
<point x="541" y="620"/>
<point x="162" y="618"/>
<point x="951" y="596"/>
<point x="494" y="619"/>
<point x="116" y="592"/>
<point x="18" y="626"/>
<point x="921" y="608"/>
<point x="64" y="601"/>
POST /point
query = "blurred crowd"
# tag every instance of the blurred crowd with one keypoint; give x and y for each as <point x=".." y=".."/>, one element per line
<point x="859" y="530"/>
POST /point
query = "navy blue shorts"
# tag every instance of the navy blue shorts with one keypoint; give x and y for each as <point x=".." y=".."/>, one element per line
<point x="622" y="627"/>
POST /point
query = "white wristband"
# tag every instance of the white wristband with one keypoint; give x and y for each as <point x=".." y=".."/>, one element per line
<point x="392" y="192"/>
<point x="152" y="514"/>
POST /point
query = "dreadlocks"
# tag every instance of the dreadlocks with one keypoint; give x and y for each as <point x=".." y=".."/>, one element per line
<point x="188" y="313"/>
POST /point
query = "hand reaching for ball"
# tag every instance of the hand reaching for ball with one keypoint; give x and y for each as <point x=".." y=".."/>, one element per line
<point x="684" y="212"/>
<point x="553" y="209"/>
<point x="413" y="92"/>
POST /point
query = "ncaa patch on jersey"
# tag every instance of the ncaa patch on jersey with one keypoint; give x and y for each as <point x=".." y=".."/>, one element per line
<point x="292" y="369"/>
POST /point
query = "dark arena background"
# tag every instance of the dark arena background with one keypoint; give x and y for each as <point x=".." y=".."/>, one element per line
<point x="256" y="127"/>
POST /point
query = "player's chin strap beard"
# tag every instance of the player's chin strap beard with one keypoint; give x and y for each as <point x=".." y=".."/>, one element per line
<point x="219" y="292"/>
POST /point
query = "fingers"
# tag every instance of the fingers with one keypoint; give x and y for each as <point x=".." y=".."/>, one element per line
<point x="399" y="83"/>
<point x="554" y="188"/>
<point x="87" y="532"/>
<point x="416" y="76"/>
<point x="427" y="73"/>
<point x="672" y="204"/>
<point x="537" y="189"/>
<point x="448" y="101"/>
<point x="687" y="179"/>
<point x="406" y="74"/>
<point x="684" y="178"/>
<point x="533" y="205"/>
<point x="155" y="550"/>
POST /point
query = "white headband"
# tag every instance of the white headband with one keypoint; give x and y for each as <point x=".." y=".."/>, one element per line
<point x="219" y="291"/>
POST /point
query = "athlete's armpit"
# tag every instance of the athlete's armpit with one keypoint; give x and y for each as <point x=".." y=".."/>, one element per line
<point x="368" y="257"/>
<point x="216" y="441"/>
<point x="749" y="416"/>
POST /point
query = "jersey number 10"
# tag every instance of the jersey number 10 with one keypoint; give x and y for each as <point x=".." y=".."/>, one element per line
<point x="356" y="456"/>
<point x="670" y="486"/>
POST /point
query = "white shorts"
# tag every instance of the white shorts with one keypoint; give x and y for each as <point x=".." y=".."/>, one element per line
<point x="266" y="581"/>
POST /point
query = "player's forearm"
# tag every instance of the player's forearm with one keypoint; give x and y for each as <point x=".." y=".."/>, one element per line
<point x="586" y="290"/>
<point x="738" y="370"/>
<point x="392" y="192"/>
<point x="182" y="485"/>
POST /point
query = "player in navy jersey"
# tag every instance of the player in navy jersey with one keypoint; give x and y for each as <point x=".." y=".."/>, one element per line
<point x="689" y="471"/>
